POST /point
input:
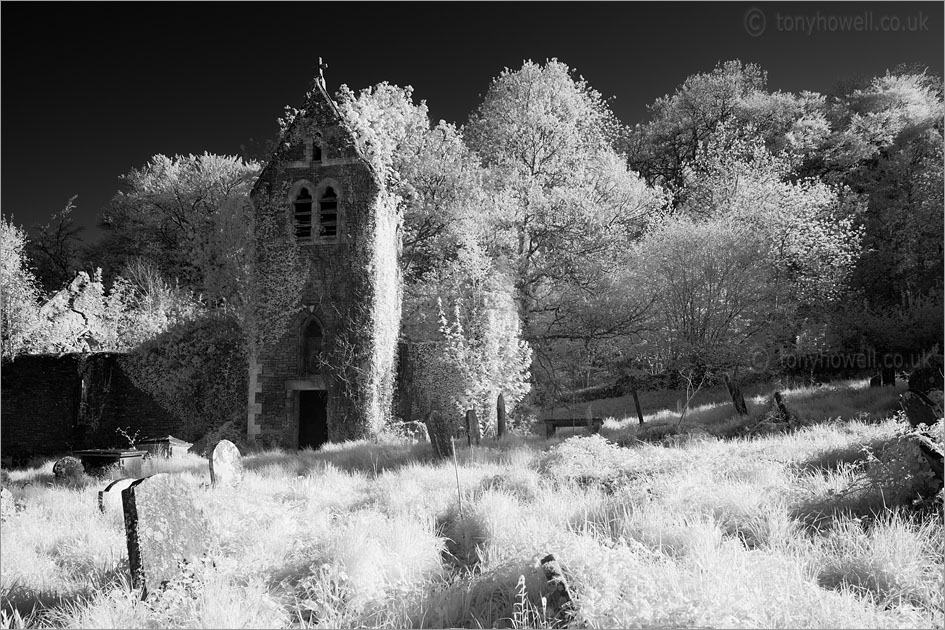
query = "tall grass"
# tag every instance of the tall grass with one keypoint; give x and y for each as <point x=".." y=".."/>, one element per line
<point x="775" y="531"/>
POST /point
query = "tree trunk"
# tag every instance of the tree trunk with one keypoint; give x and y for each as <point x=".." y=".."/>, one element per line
<point x="472" y="427"/>
<point x="636" y="402"/>
<point x="500" y="416"/>
<point x="735" y="391"/>
<point x="888" y="374"/>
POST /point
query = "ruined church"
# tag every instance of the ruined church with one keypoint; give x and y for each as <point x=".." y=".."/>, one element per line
<point x="329" y="374"/>
<point x="330" y="377"/>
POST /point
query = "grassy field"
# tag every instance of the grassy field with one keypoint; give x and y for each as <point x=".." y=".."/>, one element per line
<point x="811" y="529"/>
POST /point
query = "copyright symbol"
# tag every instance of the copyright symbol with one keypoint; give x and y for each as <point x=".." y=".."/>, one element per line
<point x="758" y="359"/>
<point x="755" y="21"/>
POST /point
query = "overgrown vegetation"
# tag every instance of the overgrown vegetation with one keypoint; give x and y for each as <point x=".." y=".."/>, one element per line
<point x="796" y="530"/>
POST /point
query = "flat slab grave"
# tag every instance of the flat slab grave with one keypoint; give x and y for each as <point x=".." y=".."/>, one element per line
<point x="96" y="460"/>
<point x="109" y="498"/>
<point x="165" y="446"/>
<point x="164" y="529"/>
<point x="226" y="465"/>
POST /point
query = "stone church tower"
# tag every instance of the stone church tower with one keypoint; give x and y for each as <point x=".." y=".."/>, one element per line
<point x="330" y="376"/>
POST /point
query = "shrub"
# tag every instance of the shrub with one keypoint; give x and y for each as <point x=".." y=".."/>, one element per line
<point x="898" y="469"/>
<point x="590" y="459"/>
<point x="196" y="370"/>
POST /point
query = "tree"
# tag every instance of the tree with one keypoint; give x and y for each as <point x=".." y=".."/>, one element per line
<point x="753" y="259"/>
<point x="169" y="211"/>
<point x="563" y="206"/>
<point x="713" y="287"/>
<point x="809" y="225"/>
<point x="888" y="148"/>
<point x="436" y="179"/>
<point x="19" y="292"/>
<point x="682" y="123"/>
<point x="683" y="126"/>
<point x="56" y="249"/>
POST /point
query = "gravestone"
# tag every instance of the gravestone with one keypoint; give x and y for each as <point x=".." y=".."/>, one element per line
<point x="68" y="468"/>
<point x="441" y="437"/>
<point x="164" y="529"/>
<point x="7" y="505"/>
<point x="226" y="465"/>
<point x="110" y="497"/>
<point x="501" y="426"/>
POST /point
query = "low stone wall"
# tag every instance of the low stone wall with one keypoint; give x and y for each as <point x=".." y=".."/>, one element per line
<point x="46" y="410"/>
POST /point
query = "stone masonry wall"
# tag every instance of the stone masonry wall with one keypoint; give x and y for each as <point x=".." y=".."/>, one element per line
<point x="42" y="415"/>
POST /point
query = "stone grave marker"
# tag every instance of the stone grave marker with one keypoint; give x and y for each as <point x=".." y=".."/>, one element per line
<point x="110" y="497"/>
<point x="440" y="437"/>
<point x="226" y="465"/>
<point x="7" y="505"/>
<point x="164" y="529"/>
<point x="67" y="468"/>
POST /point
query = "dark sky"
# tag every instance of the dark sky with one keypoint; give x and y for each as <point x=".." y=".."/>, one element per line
<point x="91" y="90"/>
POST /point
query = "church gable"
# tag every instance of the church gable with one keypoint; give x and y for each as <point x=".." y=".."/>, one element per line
<point x="317" y="175"/>
<point x="317" y="137"/>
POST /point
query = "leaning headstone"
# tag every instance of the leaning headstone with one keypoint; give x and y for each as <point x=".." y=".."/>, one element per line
<point x="110" y="497"/>
<point x="501" y="426"/>
<point x="560" y="602"/>
<point x="226" y="465"/>
<point x="441" y="437"/>
<point x="7" y="504"/>
<point x="68" y="468"/>
<point x="164" y="529"/>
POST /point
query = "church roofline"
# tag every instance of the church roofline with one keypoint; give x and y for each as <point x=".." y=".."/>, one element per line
<point x="318" y="88"/>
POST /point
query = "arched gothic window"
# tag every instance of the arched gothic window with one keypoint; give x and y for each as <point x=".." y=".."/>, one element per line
<point x="303" y="214"/>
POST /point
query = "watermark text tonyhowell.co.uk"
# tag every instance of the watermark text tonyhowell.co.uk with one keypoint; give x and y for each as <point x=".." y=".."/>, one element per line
<point x="757" y="22"/>
<point x="763" y="359"/>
